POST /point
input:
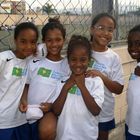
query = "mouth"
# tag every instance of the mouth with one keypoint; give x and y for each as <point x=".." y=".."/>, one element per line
<point x="104" y="39"/>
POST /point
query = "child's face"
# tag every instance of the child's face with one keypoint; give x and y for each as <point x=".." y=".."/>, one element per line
<point x="134" y="45"/>
<point x="54" y="41"/>
<point x="102" y="31"/>
<point x="78" y="61"/>
<point x="26" y="43"/>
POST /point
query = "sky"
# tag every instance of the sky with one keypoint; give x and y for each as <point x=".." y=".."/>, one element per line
<point x="70" y="4"/>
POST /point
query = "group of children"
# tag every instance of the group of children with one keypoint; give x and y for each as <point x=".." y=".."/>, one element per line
<point x="74" y="93"/>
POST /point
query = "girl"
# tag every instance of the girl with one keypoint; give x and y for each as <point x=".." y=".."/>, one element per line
<point x="13" y="72"/>
<point x="108" y="67"/>
<point x="133" y="92"/>
<point x="81" y="98"/>
<point x="43" y="76"/>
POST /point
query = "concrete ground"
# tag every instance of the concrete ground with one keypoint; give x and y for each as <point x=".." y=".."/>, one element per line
<point x="118" y="133"/>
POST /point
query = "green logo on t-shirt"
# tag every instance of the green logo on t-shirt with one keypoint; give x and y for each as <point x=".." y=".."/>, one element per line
<point x="17" y="71"/>
<point x="44" y="72"/>
<point x="73" y="89"/>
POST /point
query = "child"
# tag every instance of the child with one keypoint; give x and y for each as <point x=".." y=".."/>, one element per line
<point x="13" y="72"/>
<point x="133" y="92"/>
<point x="43" y="76"/>
<point x="81" y="98"/>
<point x="106" y="65"/>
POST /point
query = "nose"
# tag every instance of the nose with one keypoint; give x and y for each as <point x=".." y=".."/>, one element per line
<point x="78" y="63"/>
<point x="54" y="43"/>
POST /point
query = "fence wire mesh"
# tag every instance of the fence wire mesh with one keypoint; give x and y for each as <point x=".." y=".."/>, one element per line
<point x="76" y="15"/>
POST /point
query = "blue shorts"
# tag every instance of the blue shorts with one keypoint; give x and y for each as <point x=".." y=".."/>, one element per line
<point x="22" y="132"/>
<point x="107" y="126"/>
<point x="34" y="131"/>
<point x="130" y="136"/>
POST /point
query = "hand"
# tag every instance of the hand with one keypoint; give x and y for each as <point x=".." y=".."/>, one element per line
<point x="70" y="82"/>
<point x="45" y="107"/>
<point x="23" y="106"/>
<point x="93" y="73"/>
<point x="80" y="80"/>
<point x="137" y="71"/>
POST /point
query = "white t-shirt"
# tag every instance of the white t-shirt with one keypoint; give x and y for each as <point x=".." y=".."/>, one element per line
<point x="76" y="122"/>
<point x="13" y="74"/>
<point x="133" y="100"/>
<point x="41" y="51"/>
<point x="42" y="77"/>
<point x="109" y="64"/>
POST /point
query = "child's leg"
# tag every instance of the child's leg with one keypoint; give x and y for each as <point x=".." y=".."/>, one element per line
<point x="47" y="127"/>
<point x="104" y="128"/>
<point x="103" y="135"/>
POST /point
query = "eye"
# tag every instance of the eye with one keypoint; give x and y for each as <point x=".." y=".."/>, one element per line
<point x="23" y="41"/>
<point x="83" y="59"/>
<point x="99" y="27"/>
<point x="73" y="59"/>
<point x="110" y="30"/>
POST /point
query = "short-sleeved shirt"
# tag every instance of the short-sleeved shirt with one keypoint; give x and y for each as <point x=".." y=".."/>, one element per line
<point x="13" y="74"/>
<point x="42" y="77"/>
<point x="108" y="62"/>
<point x="76" y="122"/>
<point x="133" y="100"/>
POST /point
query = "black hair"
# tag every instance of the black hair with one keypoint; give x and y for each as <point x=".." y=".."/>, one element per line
<point x="53" y="23"/>
<point x="23" y="26"/>
<point x="77" y="41"/>
<point x="135" y="29"/>
<point x="98" y="17"/>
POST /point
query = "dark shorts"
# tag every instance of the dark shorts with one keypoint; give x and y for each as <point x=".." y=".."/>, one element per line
<point x="130" y="136"/>
<point x="107" y="126"/>
<point x="34" y="131"/>
<point x="22" y="132"/>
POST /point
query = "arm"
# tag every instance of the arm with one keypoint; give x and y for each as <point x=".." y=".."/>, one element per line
<point x="45" y="107"/>
<point x="23" y="101"/>
<point x="88" y="99"/>
<point x="59" y="103"/>
<point x="113" y="86"/>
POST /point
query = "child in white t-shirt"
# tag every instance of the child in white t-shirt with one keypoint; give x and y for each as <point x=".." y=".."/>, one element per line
<point x="80" y="100"/>
<point x="39" y="92"/>
<point x="107" y="65"/>
<point x="13" y="74"/>
<point x="133" y="92"/>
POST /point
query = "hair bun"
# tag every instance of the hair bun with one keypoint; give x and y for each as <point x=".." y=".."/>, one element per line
<point x="54" y="20"/>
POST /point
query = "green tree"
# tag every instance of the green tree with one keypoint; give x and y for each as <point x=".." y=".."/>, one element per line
<point x="48" y="8"/>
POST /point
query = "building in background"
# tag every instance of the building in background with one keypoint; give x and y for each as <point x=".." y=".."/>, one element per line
<point x="13" y="6"/>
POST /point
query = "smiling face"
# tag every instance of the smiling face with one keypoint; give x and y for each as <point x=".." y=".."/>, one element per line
<point x="78" y="60"/>
<point x="102" y="31"/>
<point x="134" y="45"/>
<point x="25" y="43"/>
<point x="54" y="41"/>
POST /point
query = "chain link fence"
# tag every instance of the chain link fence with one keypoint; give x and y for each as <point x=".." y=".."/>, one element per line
<point x="76" y="15"/>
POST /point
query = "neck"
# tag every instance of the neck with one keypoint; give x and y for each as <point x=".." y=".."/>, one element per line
<point x="18" y="55"/>
<point x="54" y="57"/>
<point x="98" y="48"/>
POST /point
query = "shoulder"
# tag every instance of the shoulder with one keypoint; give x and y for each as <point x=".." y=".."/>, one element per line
<point x="94" y="80"/>
<point x="7" y="55"/>
<point x="41" y="50"/>
<point x="35" y="62"/>
<point x="113" y="53"/>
